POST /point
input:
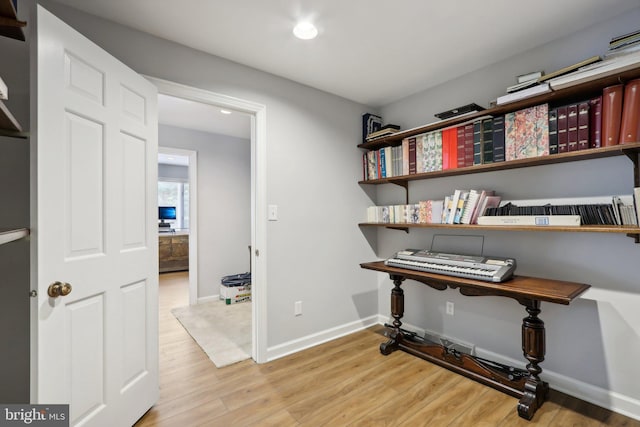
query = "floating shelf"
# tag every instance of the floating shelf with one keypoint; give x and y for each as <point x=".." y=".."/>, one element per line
<point x="631" y="150"/>
<point x="626" y="229"/>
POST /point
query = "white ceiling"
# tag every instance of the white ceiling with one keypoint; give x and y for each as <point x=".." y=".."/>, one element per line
<point x="203" y="117"/>
<point x="370" y="51"/>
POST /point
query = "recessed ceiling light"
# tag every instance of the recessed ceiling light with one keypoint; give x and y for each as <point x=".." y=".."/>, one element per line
<point x="225" y="111"/>
<point x="305" y="31"/>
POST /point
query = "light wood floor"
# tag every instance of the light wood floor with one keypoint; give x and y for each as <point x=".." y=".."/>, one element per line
<point x="346" y="382"/>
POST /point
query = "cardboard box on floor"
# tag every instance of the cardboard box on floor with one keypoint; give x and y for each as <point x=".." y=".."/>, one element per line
<point x="235" y="294"/>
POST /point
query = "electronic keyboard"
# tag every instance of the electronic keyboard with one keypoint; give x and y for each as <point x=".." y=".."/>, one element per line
<point x="486" y="268"/>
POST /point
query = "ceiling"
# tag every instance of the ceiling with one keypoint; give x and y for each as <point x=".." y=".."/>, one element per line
<point x="188" y="114"/>
<point x="370" y="51"/>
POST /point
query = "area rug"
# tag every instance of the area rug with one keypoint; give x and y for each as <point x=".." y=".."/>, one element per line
<point x="222" y="331"/>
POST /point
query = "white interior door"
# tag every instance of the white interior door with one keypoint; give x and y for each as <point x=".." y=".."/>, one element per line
<point x="94" y="228"/>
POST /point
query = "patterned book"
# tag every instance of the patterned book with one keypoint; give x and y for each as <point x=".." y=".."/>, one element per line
<point x="526" y="144"/>
<point x="542" y="129"/>
<point x="510" y="136"/>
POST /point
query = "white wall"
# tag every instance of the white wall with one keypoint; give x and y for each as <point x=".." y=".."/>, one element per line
<point x="593" y="344"/>
<point x="224" y="202"/>
<point x="313" y="165"/>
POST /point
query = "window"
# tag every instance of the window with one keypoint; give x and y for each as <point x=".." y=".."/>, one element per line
<point x="175" y="193"/>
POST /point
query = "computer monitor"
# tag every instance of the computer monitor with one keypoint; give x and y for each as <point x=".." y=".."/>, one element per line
<point x="166" y="213"/>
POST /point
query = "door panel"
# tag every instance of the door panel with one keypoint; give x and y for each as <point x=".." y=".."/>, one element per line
<point x="96" y="182"/>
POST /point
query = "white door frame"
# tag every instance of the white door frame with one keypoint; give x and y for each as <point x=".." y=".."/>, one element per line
<point x="258" y="114"/>
<point x="193" y="215"/>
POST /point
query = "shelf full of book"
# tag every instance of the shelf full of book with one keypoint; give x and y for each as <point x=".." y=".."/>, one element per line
<point x="575" y="123"/>
<point x="631" y="150"/>
<point x="631" y="230"/>
<point x="564" y="95"/>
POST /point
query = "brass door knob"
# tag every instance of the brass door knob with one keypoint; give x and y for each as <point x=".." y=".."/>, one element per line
<point x="58" y="289"/>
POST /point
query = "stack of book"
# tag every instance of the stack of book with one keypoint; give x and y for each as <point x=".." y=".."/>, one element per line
<point x="385" y="130"/>
<point x="607" y="210"/>
<point x="624" y="44"/>
<point x="462" y="207"/>
<point x="544" y="82"/>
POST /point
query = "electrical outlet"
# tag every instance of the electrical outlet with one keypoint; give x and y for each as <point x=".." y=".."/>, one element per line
<point x="449" y="308"/>
<point x="297" y="308"/>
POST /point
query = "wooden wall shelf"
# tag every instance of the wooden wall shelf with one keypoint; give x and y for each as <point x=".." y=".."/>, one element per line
<point x="10" y="26"/>
<point x="574" y="93"/>
<point x="625" y="229"/>
<point x="630" y="150"/>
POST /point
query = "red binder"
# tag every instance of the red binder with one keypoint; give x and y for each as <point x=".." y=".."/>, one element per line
<point x="611" y="114"/>
<point x="630" y="122"/>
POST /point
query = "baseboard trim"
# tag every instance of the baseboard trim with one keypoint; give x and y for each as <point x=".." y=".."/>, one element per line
<point x="312" y="340"/>
<point x="607" y="399"/>
<point x="208" y="298"/>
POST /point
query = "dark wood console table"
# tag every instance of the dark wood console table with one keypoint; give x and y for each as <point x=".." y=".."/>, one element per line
<point x="528" y="291"/>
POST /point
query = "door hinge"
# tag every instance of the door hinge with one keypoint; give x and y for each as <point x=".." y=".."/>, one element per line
<point x="33" y="294"/>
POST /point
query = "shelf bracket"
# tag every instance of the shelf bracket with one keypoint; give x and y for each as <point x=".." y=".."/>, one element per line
<point x="634" y="156"/>
<point x="399" y="227"/>
<point x="10" y="22"/>
<point x="404" y="184"/>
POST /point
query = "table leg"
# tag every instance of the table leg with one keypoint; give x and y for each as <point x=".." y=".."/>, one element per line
<point x="397" y="311"/>
<point x="533" y="347"/>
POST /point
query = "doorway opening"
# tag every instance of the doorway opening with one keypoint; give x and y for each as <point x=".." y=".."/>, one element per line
<point x="257" y="214"/>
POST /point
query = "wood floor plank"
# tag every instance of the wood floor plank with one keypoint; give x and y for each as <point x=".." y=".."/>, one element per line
<point x="344" y="382"/>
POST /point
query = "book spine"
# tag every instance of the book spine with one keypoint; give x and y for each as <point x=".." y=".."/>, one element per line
<point x="487" y="141"/>
<point x="510" y="136"/>
<point x="539" y="220"/>
<point x="383" y="163"/>
<point x="553" y="131"/>
<point x="498" y="139"/>
<point x="453" y="147"/>
<point x="595" y="122"/>
<point x="468" y="144"/>
<point x="526" y="142"/>
<point x="412" y="156"/>
<point x="583" y="126"/>
<point x="477" y="143"/>
<point x="562" y="129"/>
<point x="437" y="151"/>
<point x="405" y="156"/>
<point x="542" y="129"/>
<point x="572" y="127"/>
<point x="460" y="146"/>
<point x="446" y="150"/>
<point x="630" y="122"/>
<point x="611" y="114"/>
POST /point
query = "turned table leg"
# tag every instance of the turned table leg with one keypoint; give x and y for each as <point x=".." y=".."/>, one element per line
<point x="397" y="311"/>
<point x="533" y="347"/>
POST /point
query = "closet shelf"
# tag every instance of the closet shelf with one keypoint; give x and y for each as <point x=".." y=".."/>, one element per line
<point x="10" y="234"/>
<point x="10" y="26"/>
